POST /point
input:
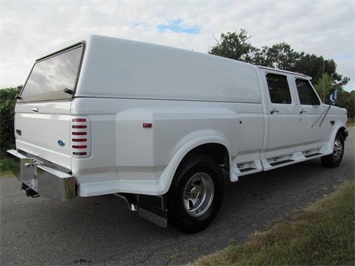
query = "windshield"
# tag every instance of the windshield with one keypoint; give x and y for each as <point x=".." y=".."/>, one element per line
<point x="53" y="77"/>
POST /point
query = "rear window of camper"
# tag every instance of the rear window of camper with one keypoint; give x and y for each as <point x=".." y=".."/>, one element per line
<point x="54" y="77"/>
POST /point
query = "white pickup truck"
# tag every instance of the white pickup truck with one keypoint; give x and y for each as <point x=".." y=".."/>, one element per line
<point x="163" y="127"/>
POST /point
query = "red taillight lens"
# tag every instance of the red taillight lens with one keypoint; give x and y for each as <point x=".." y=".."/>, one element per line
<point x="79" y="146"/>
<point x="79" y="140"/>
<point x="80" y="136"/>
<point x="80" y="153"/>
<point x="79" y="133"/>
<point x="79" y="119"/>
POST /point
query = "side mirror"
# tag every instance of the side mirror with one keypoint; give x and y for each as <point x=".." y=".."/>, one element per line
<point x="333" y="96"/>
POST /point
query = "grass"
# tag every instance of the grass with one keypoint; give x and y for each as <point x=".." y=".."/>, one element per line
<point x="351" y="122"/>
<point x="322" y="235"/>
<point x="8" y="166"/>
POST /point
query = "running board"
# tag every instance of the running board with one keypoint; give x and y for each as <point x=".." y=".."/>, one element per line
<point x="281" y="162"/>
<point x="276" y="162"/>
<point x="250" y="167"/>
<point x="245" y="168"/>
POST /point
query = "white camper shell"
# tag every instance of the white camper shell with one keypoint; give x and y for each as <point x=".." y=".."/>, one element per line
<point x="157" y="125"/>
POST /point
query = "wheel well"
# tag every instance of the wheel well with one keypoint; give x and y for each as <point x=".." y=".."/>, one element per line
<point x="343" y="132"/>
<point x="214" y="150"/>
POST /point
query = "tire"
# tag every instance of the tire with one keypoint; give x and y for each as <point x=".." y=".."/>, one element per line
<point x="196" y="194"/>
<point x="333" y="160"/>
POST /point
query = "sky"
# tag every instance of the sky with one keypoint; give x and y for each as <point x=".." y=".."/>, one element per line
<point x="321" y="27"/>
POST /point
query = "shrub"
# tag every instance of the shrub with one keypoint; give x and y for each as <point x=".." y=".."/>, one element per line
<point x="7" y="106"/>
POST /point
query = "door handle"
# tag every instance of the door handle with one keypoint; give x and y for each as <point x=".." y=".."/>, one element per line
<point x="303" y="111"/>
<point x="274" y="111"/>
<point x="35" y="109"/>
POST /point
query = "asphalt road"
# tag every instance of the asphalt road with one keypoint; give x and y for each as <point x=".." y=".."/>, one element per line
<point x="101" y="230"/>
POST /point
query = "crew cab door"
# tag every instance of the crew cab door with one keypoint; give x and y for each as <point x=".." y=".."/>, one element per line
<point x="283" y="115"/>
<point x="315" y="126"/>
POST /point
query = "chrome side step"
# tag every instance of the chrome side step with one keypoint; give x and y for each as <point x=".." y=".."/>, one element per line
<point x="276" y="162"/>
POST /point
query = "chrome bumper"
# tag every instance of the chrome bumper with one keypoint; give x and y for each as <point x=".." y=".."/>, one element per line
<point x="45" y="180"/>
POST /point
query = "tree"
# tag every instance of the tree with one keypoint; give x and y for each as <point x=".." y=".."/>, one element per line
<point x="347" y="101"/>
<point x="323" y="87"/>
<point x="279" y="55"/>
<point x="234" y="45"/>
<point x="316" y="66"/>
<point x="237" y="46"/>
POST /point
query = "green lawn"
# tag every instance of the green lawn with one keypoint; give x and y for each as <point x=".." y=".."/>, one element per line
<point x="322" y="235"/>
<point x="8" y="166"/>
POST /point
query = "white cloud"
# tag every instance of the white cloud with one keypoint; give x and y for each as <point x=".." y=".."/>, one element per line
<point x="28" y="28"/>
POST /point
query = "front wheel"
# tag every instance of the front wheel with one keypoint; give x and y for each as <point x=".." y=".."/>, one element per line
<point x="196" y="194"/>
<point x="334" y="159"/>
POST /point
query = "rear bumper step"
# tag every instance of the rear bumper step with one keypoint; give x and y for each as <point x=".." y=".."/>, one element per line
<point x="45" y="180"/>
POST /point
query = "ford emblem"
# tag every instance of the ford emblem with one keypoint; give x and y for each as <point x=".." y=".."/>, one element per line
<point x="61" y="143"/>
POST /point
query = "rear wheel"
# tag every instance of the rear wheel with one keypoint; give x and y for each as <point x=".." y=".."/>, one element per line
<point x="196" y="194"/>
<point x="334" y="159"/>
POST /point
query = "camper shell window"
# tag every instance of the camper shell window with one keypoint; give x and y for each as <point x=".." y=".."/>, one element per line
<point x="54" y="77"/>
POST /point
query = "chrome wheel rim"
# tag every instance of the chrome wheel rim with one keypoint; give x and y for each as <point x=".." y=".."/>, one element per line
<point x="198" y="194"/>
<point x="338" y="149"/>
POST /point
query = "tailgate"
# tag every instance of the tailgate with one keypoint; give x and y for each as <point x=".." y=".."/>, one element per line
<point x="43" y="129"/>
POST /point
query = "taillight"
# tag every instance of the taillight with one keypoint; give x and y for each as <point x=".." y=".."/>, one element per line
<point x="79" y="140"/>
<point x="79" y="133"/>
<point x="80" y="126"/>
<point x="80" y="137"/>
<point x="79" y="120"/>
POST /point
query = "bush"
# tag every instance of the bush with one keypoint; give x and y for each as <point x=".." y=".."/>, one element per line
<point x="7" y="106"/>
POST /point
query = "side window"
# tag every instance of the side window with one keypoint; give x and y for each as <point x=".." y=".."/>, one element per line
<point x="306" y="93"/>
<point x="278" y="89"/>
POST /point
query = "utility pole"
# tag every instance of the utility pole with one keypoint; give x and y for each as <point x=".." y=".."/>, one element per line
<point x="323" y="83"/>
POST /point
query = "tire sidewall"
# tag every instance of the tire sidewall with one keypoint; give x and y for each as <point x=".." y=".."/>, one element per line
<point x="177" y="212"/>
<point x="341" y="139"/>
<point x="330" y="161"/>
